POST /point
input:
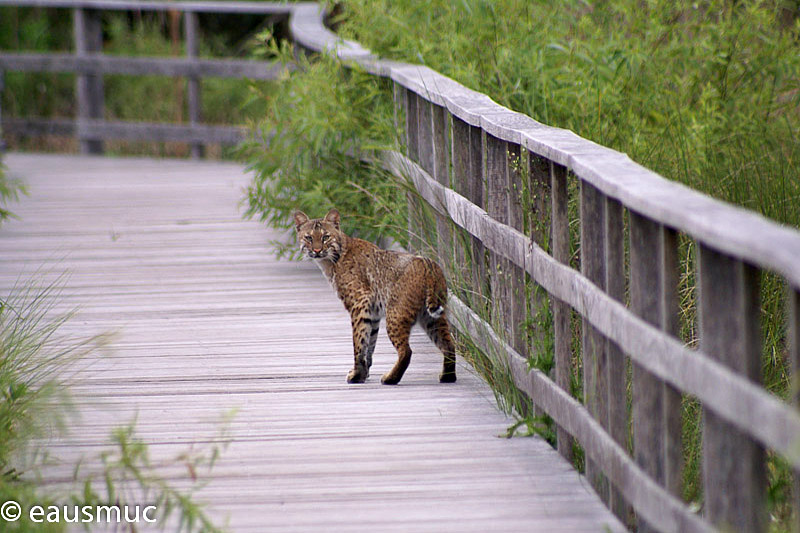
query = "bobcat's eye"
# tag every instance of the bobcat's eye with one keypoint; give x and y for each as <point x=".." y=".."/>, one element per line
<point x="325" y="238"/>
<point x="308" y="238"/>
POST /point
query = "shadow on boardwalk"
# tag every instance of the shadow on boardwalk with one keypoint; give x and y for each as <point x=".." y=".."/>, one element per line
<point x="208" y="321"/>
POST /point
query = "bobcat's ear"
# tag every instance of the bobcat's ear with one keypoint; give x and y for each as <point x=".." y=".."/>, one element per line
<point x="300" y="218"/>
<point x="333" y="218"/>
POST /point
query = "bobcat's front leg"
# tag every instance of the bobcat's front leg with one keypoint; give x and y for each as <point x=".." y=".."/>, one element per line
<point x="362" y="335"/>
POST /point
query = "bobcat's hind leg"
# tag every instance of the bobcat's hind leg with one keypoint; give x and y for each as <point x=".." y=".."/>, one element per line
<point x="373" y="339"/>
<point x="398" y="328"/>
<point x="438" y="331"/>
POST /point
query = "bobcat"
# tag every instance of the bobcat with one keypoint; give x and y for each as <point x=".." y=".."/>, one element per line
<point x="374" y="283"/>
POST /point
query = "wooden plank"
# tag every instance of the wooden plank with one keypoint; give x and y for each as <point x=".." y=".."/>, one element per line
<point x="181" y="371"/>
<point x="595" y="366"/>
<point x="793" y="339"/>
<point x="734" y="398"/>
<point x="95" y="63"/>
<point x="617" y="397"/>
<point x="88" y="36"/>
<point x="734" y="479"/>
<point x="146" y="5"/>
<point x="562" y="330"/>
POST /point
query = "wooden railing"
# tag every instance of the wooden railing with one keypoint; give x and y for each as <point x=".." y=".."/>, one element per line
<point x="89" y="62"/>
<point x="469" y="157"/>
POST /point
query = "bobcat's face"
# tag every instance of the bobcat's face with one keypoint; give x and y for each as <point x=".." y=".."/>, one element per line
<point x="320" y="238"/>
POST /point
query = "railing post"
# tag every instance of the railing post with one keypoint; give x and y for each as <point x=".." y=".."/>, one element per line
<point x="562" y="331"/>
<point x="412" y="148"/>
<point x="517" y="304"/>
<point x="192" y="27"/>
<point x="793" y="337"/>
<point x="734" y="480"/>
<point x="656" y="406"/>
<point x="441" y="173"/>
<point x="617" y="399"/>
<point x="459" y="150"/>
<point x="595" y="385"/>
<point x="477" y="195"/>
<point x="88" y="34"/>
<point x="497" y="208"/>
<point x="2" y="141"/>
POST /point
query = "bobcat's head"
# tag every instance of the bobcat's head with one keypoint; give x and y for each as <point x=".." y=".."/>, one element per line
<point x="320" y="238"/>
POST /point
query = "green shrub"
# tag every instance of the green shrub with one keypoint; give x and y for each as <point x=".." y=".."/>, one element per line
<point x="306" y="150"/>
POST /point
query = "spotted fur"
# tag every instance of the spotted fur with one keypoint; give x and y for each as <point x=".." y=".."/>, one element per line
<point x="373" y="284"/>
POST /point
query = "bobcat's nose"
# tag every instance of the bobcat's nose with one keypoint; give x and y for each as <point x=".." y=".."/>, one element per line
<point x="317" y="251"/>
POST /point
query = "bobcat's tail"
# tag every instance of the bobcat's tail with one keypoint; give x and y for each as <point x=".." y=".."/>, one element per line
<point x="436" y="290"/>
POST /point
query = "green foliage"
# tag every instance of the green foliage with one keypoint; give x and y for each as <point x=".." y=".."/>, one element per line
<point x="10" y="190"/>
<point x="311" y="149"/>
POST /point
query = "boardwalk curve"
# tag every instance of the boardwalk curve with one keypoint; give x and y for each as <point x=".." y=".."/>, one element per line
<point x="207" y="321"/>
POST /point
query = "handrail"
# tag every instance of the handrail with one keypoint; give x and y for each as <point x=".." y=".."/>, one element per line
<point x="733" y="244"/>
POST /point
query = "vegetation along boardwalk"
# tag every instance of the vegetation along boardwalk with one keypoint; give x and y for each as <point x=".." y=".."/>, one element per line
<point x="207" y="321"/>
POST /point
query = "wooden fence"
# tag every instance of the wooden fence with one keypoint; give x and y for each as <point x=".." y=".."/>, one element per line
<point x="89" y="62"/>
<point x="469" y="158"/>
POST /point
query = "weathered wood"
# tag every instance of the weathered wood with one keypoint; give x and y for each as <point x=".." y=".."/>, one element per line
<point x="595" y="368"/>
<point x="98" y="64"/>
<point x="354" y="452"/>
<point x="440" y="143"/>
<point x="562" y="331"/>
<point x="793" y="339"/>
<point x="734" y="478"/>
<point x="617" y="398"/>
<point x="256" y="8"/>
<point x="646" y="302"/>
<point x="670" y="323"/>
<point x="517" y="305"/>
<point x="476" y="194"/>
<point x="412" y="147"/>
<point x="734" y="398"/>
<point x="651" y="500"/>
<point x="133" y="131"/>
<point x="496" y="177"/>
<point x="191" y="29"/>
<point x="88" y="36"/>
<point x="464" y="259"/>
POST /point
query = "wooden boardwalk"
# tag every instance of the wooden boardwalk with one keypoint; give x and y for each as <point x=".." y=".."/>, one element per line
<point x="207" y="321"/>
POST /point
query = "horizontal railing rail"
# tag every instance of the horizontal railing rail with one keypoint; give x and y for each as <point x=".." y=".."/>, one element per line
<point x="467" y="156"/>
<point x="90" y="65"/>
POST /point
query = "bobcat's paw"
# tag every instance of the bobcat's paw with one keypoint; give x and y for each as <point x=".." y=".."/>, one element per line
<point x="356" y="376"/>
<point x="388" y="379"/>
<point x="448" y="377"/>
